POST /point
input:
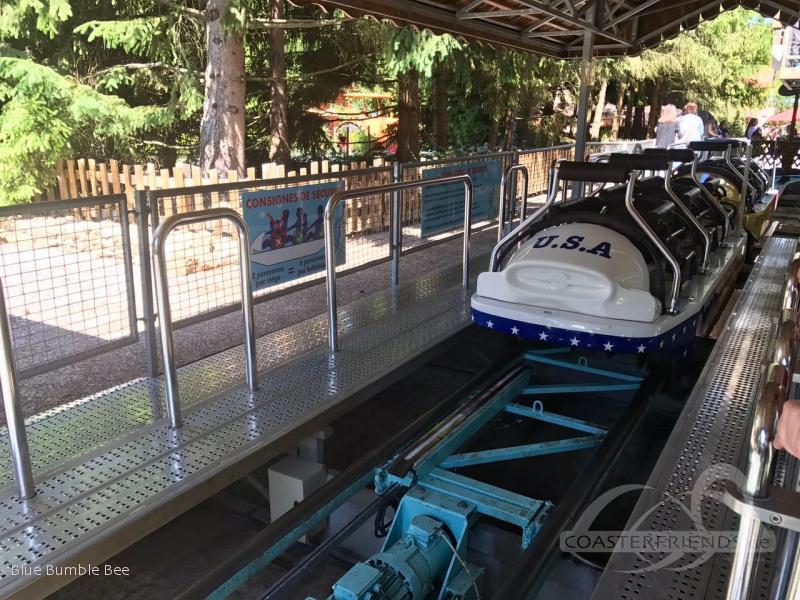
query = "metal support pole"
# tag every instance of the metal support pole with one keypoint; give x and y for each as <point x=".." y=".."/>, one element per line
<point x="162" y="293"/>
<point x="330" y="249"/>
<point x="745" y="186"/>
<point x="514" y="163"/>
<point x="146" y="278"/>
<point x="15" y="421"/>
<point x="396" y="226"/>
<point x="587" y="76"/>
<point x="775" y="159"/>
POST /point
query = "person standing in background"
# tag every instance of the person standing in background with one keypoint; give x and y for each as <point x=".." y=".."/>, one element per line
<point x="752" y="130"/>
<point x="690" y="125"/>
<point x="667" y="128"/>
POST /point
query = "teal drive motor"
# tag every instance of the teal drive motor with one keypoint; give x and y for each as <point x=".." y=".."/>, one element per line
<point x="421" y="557"/>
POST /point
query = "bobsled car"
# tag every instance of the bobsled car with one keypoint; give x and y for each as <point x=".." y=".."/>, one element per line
<point x="639" y="265"/>
<point x="727" y="171"/>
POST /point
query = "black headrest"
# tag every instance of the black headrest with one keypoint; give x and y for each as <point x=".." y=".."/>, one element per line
<point x="681" y="155"/>
<point x="719" y="145"/>
<point x="594" y="172"/>
<point x="641" y="162"/>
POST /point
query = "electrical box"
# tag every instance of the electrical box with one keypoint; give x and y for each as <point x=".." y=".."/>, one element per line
<point x="291" y="480"/>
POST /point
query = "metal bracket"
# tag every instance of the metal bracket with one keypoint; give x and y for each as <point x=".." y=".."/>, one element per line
<point x="781" y="507"/>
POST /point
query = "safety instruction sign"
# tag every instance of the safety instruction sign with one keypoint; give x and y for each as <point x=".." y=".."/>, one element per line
<point x="443" y="205"/>
<point x="287" y="231"/>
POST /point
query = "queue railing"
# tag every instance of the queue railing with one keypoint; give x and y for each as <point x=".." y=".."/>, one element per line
<point x="395" y="240"/>
<point x="162" y="294"/>
<point x="506" y="209"/>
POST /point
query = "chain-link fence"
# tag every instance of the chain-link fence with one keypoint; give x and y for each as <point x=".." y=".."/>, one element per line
<point x="68" y="276"/>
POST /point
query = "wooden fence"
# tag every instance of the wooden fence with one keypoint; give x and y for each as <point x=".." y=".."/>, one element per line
<point x="86" y="178"/>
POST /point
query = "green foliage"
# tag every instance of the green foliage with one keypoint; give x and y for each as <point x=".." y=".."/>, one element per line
<point x="125" y="80"/>
<point x="43" y="116"/>
<point x="421" y="51"/>
<point x="711" y="64"/>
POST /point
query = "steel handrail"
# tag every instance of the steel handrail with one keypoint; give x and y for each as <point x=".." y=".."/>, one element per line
<point x="735" y="169"/>
<point x="710" y="197"/>
<point x="515" y="235"/>
<point x="165" y="314"/>
<point x="501" y="211"/>
<point x="15" y="420"/>
<point x="330" y="253"/>
<point x="689" y="215"/>
<point x="761" y="452"/>
<point x="672" y="307"/>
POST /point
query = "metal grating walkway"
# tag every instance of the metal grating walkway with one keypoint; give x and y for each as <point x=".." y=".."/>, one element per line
<point x="710" y="432"/>
<point x="106" y="462"/>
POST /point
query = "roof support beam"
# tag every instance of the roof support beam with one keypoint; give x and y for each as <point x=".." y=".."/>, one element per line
<point x="783" y="9"/>
<point x="557" y="33"/>
<point x="573" y="20"/>
<point x="690" y="15"/>
<point x="630" y="13"/>
<point x="441" y="20"/>
<point x="494" y="14"/>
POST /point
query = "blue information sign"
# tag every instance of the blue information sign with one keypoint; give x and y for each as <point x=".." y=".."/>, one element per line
<point x="287" y="232"/>
<point x="443" y="205"/>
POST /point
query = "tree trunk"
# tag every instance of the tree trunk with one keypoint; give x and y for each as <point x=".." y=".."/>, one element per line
<point x="408" y="117"/>
<point x="222" y="130"/>
<point x="620" y="105"/>
<point x="597" y="122"/>
<point x="494" y="130"/>
<point x="279" y="150"/>
<point x="633" y="99"/>
<point x="638" y="130"/>
<point x="655" y="108"/>
<point x="508" y="133"/>
<point x="440" y="116"/>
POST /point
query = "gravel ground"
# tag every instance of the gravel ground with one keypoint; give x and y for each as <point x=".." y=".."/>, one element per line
<point x="197" y="341"/>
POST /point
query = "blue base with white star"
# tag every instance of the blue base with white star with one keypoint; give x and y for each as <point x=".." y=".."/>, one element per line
<point x="677" y="339"/>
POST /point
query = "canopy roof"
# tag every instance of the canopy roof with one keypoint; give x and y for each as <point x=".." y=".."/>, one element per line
<point x="556" y="27"/>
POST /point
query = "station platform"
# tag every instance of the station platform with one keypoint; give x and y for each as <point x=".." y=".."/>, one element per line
<point x="710" y="434"/>
<point x="109" y="470"/>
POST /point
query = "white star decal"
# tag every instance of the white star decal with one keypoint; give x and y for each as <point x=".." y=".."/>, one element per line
<point x="543" y="336"/>
<point x="673" y="337"/>
<point x="489" y="324"/>
<point x="473" y="318"/>
<point x="514" y="330"/>
<point x="683" y="330"/>
<point x="608" y="346"/>
<point x="640" y="348"/>
<point x="574" y="341"/>
<point x="661" y="344"/>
